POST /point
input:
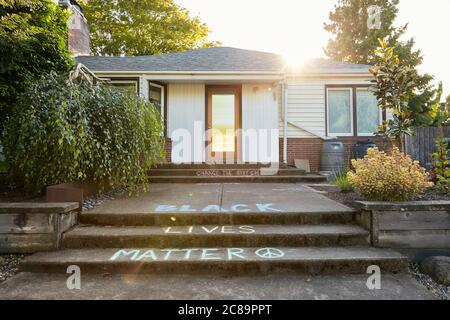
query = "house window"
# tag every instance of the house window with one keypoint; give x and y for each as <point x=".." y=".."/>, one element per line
<point x="125" y="85"/>
<point x="352" y="111"/>
<point x="156" y="96"/>
<point x="368" y="114"/>
<point x="340" y="112"/>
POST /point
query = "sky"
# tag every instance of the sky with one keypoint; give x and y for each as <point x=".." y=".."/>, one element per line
<point x="294" y="28"/>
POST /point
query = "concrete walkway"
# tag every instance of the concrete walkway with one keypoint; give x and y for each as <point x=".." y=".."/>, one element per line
<point x="270" y="287"/>
<point x="218" y="197"/>
<point x="199" y="204"/>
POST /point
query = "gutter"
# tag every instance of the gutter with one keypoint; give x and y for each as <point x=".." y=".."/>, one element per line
<point x="285" y="120"/>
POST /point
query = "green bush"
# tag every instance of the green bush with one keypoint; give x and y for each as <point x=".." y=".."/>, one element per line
<point x="63" y="132"/>
<point x="441" y="169"/>
<point x="33" y="42"/>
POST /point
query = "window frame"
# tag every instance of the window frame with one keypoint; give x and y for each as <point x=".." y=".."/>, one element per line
<point x="354" y="121"/>
<point x="134" y="81"/>
<point x="163" y="96"/>
<point x="352" y="129"/>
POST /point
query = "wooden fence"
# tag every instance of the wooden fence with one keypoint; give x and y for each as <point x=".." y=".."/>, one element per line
<point x="422" y="145"/>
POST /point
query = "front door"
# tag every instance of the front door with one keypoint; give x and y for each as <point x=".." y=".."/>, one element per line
<point x="223" y="114"/>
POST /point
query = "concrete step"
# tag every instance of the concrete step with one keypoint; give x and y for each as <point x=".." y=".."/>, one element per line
<point x="217" y="218"/>
<point x="198" y="166"/>
<point x="222" y="172"/>
<point x="239" y="179"/>
<point x="236" y="261"/>
<point x="215" y="236"/>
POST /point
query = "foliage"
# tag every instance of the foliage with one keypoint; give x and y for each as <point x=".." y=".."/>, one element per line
<point x="384" y="177"/>
<point x="143" y="27"/>
<point x="65" y="132"/>
<point x="394" y="86"/>
<point x="341" y="180"/>
<point x="2" y="166"/>
<point x="353" y="41"/>
<point x="424" y="106"/>
<point x="33" y="41"/>
<point x="441" y="169"/>
<point x="440" y="159"/>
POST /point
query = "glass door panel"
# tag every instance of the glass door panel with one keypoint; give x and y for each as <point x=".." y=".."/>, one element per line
<point x="223" y="123"/>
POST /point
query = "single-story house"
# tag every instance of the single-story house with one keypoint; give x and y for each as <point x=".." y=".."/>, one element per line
<point x="248" y="106"/>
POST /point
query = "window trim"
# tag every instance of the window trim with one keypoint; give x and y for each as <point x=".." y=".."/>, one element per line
<point x="350" y="92"/>
<point x="352" y="88"/>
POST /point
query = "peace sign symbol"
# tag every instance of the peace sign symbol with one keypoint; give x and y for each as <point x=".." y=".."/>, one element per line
<point x="269" y="253"/>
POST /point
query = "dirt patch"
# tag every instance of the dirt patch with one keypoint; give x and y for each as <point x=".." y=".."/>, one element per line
<point x="18" y="195"/>
<point x="9" y="265"/>
<point x="433" y="194"/>
<point x="347" y="198"/>
<point x="441" y="291"/>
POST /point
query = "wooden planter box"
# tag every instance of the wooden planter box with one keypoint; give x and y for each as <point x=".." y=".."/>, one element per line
<point x="415" y="227"/>
<point x="27" y="227"/>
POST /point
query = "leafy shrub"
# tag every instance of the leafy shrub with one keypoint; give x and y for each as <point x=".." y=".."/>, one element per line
<point x="384" y="177"/>
<point x="63" y="132"/>
<point x="441" y="169"/>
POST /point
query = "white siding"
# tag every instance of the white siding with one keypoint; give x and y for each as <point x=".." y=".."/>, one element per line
<point x="260" y="140"/>
<point x="306" y="105"/>
<point x="186" y="114"/>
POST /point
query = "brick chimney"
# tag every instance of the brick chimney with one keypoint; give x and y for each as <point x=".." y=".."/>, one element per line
<point x="78" y="28"/>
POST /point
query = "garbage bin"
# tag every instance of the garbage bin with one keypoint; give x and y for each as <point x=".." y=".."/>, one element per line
<point x="361" y="148"/>
<point x="332" y="156"/>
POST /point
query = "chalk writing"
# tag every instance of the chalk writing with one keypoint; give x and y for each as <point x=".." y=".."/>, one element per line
<point x="227" y="172"/>
<point x="209" y="229"/>
<point x="239" y="207"/>
<point x="203" y="254"/>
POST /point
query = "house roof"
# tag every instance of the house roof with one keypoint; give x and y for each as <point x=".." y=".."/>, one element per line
<point x="216" y="59"/>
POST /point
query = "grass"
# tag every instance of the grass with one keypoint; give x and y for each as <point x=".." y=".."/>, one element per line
<point x="341" y="180"/>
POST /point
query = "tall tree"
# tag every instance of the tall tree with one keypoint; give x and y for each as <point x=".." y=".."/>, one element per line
<point x="33" y="41"/>
<point x="143" y="27"/>
<point x="355" y="40"/>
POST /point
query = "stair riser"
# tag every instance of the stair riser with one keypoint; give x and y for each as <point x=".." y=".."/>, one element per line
<point x="201" y="166"/>
<point x="220" y="172"/>
<point x="242" y="179"/>
<point x="184" y="219"/>
<point x="220" y="241"/>
<point x="350" y="266"/>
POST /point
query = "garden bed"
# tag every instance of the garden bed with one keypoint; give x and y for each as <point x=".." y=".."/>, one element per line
<point x="18" y="195"/>
<point x="417" y="228"/>
<point x="349" y="198"/>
